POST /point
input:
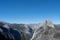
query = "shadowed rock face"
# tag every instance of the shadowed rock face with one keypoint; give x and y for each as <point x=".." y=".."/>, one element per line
<point x="10" y="34"/>
<point x="15" y="31"/>
<point x="16" y="34"/>
<point x="2" y="37"/>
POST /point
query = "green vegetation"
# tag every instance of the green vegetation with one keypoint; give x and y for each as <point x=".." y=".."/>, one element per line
<point x="57" y="35"/>
<point x="23" y="36"/>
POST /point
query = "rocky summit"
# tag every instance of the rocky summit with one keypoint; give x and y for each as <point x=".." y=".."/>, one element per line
<point x="46" y="31"/>
<point x="40" y="31"/>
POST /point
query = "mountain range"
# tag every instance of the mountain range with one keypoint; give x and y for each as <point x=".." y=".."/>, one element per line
<point x="40" y="31"/>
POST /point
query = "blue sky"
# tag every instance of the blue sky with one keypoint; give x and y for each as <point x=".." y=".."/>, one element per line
<point x="29" y="11"/>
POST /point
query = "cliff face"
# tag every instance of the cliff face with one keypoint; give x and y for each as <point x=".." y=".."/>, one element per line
<point x="46" y="31"/>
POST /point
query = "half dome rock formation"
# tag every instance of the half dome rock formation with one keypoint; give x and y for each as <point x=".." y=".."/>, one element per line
<point x="46" y="31"/>
<point x="49" y="23"/>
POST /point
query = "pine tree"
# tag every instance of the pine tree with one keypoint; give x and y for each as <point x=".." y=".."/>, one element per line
<point x="23" y="36"/>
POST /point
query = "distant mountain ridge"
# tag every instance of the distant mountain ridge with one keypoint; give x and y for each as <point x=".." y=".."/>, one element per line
<point x="40" y="31"/>
<point x="16" y="30"/>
